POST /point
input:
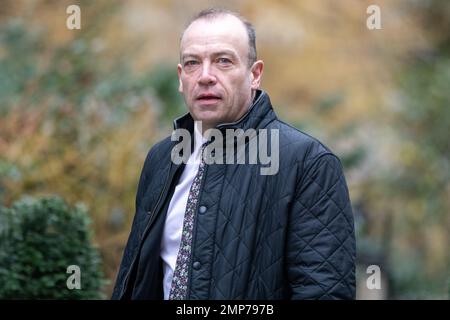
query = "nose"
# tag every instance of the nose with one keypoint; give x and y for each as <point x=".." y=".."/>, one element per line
<point x="207" y="78"/>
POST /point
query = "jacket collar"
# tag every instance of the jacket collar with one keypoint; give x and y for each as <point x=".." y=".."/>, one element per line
<point x="258" y="116"/>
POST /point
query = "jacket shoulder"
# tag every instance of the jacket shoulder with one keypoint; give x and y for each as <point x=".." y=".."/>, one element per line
<point x="159" y="152"/>
<point x="298" y="144"/>
<point x="160" y="149"/>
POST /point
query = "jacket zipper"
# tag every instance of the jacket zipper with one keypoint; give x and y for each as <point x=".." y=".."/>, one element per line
<point x="194" y="231"/>
<point x="152" y="213"/>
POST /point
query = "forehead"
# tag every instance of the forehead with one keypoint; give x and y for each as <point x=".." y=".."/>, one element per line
<point x="223" y="32"/>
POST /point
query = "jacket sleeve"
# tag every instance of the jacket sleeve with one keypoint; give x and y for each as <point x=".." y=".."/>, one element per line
<point x="132" y="241"/>
<point x="321" y="240"/>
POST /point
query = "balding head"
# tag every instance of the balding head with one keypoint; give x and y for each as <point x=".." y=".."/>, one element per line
<point x="218" y="73"/>
<point x="214" y="13"/>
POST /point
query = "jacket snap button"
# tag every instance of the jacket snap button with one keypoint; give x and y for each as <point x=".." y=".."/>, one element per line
<point x="196" y="265"/>
<point x="202" y="209"/>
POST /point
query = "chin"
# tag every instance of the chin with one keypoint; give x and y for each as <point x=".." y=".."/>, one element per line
<point x="208" y="119"/>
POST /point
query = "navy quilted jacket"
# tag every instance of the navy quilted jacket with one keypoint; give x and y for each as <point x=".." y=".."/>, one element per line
<point x="283" y="236"/>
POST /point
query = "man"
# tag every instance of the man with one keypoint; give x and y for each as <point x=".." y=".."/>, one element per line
<point x="224" y="230"/>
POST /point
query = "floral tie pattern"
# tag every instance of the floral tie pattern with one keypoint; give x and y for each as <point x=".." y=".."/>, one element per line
<point x="178" y="288"/>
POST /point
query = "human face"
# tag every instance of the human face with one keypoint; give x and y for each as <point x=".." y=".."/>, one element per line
<point x="214" y="76"/>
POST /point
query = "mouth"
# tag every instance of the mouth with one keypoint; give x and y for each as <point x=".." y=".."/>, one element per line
<point x="208" y="98"/>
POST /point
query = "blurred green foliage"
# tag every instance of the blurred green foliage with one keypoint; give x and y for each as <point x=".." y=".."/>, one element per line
<point x="424" y="179"/>
<point x="164" y="81"/>
<point x="77" y="120"/>
<point x="408" y="232"/>
<point x="39" y="240"/>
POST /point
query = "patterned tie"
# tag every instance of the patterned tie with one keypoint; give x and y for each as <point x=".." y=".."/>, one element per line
<point x="178" y="288"/>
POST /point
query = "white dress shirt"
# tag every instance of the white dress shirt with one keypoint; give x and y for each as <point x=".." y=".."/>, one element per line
<point x="171" y="239"/>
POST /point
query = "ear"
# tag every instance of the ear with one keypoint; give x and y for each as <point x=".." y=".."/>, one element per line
<point x="180" y="84"/>
<point x="256" y="74"/>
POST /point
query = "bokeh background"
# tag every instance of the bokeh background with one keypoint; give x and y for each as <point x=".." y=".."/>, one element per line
<point x="79" y="109"/>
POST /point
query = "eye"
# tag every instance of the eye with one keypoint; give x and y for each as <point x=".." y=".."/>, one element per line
<point x="190" y="63"/>
<point x="224" y="61"/>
